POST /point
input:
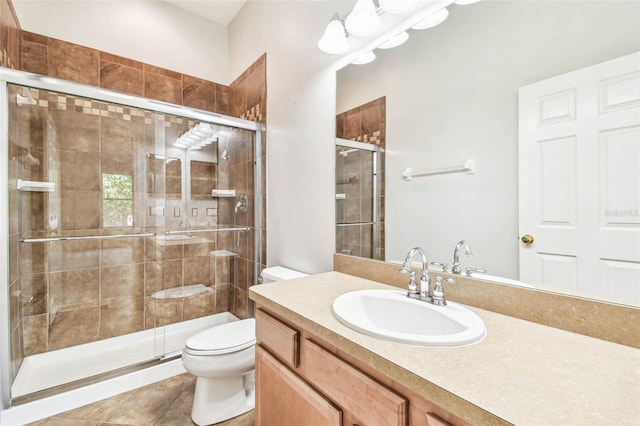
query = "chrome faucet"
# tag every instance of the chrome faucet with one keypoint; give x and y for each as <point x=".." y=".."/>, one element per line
<point x="437" y="296"/>
<point x="187" y="225"/>
<point x="456" y="268"/>
<point x="413" y="292"/>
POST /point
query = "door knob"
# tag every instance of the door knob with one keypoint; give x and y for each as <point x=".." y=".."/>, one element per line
<point x="527" y="239"/>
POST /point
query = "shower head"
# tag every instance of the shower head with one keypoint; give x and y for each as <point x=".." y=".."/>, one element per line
<point x="225" y="154"/>
<point x="345" y="152"/>
<point x="25" y="98"/>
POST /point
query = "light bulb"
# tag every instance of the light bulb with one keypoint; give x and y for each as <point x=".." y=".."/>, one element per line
<point x="334" y="39"/>
<point x="465" y="2"/>
<point x="363" y="19"/>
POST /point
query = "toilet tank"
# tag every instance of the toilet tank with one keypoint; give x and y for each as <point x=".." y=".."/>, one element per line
<point x="279" y="273"/>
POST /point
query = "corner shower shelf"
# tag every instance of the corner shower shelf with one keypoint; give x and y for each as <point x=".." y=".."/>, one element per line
<point x="223" y="253"/>
<point x="221" y="193"/>
<point x="28" y="185"/>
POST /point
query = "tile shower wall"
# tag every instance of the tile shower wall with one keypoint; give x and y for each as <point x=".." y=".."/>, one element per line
<point x="365" y="123"/>
<point x="9" y="36"/>
<point x="44" y="271"/>
<point x="76" y="292"/>
<point x="73" y="62"/>
<point x="244" y="98"/>
<point x="249" y="94"/>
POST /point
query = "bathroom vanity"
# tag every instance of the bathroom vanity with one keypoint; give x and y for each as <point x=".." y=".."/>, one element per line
<point x="312" y="370"/>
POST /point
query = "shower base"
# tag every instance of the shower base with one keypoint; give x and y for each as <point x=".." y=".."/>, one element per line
<point x="64" y="379"/>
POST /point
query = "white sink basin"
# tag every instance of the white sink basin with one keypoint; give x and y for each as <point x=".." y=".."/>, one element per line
<point x="391" y="315"/>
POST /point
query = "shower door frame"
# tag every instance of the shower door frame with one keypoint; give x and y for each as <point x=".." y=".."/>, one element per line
<point x="22" y="78"/>
<point x="375" y="216"/>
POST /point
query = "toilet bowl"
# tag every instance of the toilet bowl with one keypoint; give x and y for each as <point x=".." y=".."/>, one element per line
<point x="223" y="360"/>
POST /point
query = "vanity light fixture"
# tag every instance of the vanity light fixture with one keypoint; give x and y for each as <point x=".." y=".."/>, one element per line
<point x="365" y="58"/>
<point x="197" y="137"/>
<point x="432" y="20"/>
<point x="363" y="19"/>
<point x="395" y="41"/>
<point x="334" y="40"/>
<point x="367" y="28"/>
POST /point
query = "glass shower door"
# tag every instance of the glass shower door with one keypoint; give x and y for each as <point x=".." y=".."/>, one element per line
<point x="118" y="247"/>
<point x="357" y="199"/>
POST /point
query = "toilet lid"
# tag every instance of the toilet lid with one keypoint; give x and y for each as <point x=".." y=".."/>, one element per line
<point x="225" y="338"/>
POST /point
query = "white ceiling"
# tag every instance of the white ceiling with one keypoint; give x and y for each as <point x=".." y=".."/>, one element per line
<point x="219" y="11"/>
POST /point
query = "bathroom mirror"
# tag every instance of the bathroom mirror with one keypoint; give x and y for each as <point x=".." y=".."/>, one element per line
<point x="452" y="95"/>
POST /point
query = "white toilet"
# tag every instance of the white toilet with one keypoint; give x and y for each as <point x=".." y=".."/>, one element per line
<point x="223" y="360"/>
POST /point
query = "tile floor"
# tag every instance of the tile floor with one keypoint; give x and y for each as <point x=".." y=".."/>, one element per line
<point x="163" y="403"/>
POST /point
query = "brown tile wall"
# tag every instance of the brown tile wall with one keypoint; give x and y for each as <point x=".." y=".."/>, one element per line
<point x="111" y="281"/>
<point x="82" y="291"/>
<point x="9" y="36"/>
<point x="73" y="62"/>
<point x="249" y="95"/>
<point x="365" y="123"/>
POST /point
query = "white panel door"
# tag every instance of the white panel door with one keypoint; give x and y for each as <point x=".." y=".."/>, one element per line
<point x="580" y="181"/>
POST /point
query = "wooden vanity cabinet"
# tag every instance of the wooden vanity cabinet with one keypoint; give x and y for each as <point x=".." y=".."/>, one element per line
<point x="282" y="398"/>
<point x="301" y="380"/>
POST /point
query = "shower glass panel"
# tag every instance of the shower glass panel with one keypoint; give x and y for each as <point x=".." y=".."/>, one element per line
<point x="357" y="199"/>
<point x="115" y="239"/>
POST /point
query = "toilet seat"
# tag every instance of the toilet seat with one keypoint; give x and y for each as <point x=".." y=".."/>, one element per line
<point x="223" y="339"/>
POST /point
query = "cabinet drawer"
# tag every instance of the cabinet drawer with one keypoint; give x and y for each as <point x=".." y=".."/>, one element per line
<point x="370" y="402"/>
<point x="284" y="399"/>
<point x="282" y="340"/>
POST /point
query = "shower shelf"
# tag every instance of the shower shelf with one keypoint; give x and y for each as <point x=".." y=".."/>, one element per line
<point x="27" y="185"/>
<point x="222" y="193"/>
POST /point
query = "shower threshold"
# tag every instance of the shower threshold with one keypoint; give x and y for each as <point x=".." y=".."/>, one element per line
<point x="48" y="373"/>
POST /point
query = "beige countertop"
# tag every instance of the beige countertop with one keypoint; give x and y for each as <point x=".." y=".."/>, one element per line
<point x="522" y="373"/>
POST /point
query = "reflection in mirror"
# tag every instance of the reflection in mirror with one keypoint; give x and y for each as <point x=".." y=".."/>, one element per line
<point x="174" y="177"/>
<point x="164" y="175"/>
<point x="202" y="178"/>
<point x="360" y="143"/>
<point x="358" y="197"/>
<point x="452" y="94"/>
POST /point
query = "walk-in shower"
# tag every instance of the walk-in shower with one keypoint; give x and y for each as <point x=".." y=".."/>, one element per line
<point x="120" y="232"/>
<point x="358" y="199"/>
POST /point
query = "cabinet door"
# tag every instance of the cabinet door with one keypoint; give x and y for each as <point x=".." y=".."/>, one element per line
<point x="362" y="397"/>
<point x="283" y="399"/>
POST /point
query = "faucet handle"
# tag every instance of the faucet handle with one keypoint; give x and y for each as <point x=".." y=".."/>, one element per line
<point x="470" y="271"/>
<point x="438" y="291"/>
<point x="413" y="291"/>
<point x="445" y="267"/>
